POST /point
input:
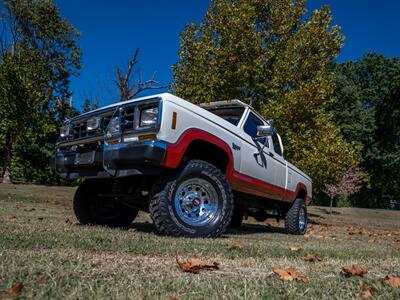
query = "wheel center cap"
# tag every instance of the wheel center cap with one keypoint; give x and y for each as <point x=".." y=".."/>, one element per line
<point x="196" y="202"/>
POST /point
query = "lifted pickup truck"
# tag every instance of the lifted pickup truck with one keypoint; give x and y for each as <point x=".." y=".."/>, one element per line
<point x="196" y="168"/>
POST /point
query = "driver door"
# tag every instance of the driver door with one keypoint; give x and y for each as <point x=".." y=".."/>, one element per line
<point x="256" y="162"/>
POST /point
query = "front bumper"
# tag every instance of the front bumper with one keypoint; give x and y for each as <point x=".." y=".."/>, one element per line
<point x="118" y="160"/>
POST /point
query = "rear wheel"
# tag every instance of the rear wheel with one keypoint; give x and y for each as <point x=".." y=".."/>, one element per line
<point x="195" y="201"/>
<point x="296" y="218"/>
<point x="91" y="208"/>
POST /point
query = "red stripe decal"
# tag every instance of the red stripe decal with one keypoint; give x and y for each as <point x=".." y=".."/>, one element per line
<point x="238" y="181"/>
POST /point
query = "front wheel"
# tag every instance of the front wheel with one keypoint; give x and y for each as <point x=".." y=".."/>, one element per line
<point x="91" y="208"/>
<point x="195" y="201"/>
<point x="296" y="218"/>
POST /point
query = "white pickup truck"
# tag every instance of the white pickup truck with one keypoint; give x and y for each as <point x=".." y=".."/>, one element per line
<point x="196" y="168"/>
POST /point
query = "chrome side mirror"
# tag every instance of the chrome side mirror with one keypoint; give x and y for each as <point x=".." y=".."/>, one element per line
<point x="265" y="130"/>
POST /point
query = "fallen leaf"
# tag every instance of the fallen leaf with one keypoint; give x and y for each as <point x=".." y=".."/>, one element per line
<point x="194" y="265"/>
<point x="289" y="274"/>
<point x="295" y="248"/>
<point x="13" y="291"/>
<point x="392" y="280"/>
<point x="236" y="245"/>
<point x="29" y="209"/>
<point x="172" y="298"/>
<point x="365" y="291"/>
<point x="132" y="229"/>
<point x="371" y="241"/>
<point x="354" y="271"/>
<point x="312" y="258"/>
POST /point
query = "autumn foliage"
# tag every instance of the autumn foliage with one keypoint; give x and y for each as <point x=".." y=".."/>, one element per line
<point x="276" y="57"/>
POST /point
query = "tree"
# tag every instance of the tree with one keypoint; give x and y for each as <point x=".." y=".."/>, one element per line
<point x="131" y="83"/>
<point x="350" y="183"/>
<point x="271" y="55"/>
<point x="367" y="109"/>
<point x="39" y="53"/>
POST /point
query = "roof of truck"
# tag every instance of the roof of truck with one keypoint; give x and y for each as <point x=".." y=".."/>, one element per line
<point x="226" y="103"/>
<point x="210" y="105"/>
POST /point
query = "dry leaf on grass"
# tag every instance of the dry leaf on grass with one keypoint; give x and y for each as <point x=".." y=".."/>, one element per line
<point x="295" y="248"/>
<point x="371" y="241"/>
<point x="194" y="265"/>
<point x="392" y="280"/>
<point x="289" y="274"/>
<point x="13" y="291"/>
<point x="68" y="222"/>
<point x="235" y="245"/>
<point x="365" y="291"/>
<point x="311" y="257"/>
<point x="354" y="271"/>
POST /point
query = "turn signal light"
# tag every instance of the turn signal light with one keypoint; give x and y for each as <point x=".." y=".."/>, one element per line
<point x="146" y="137"/>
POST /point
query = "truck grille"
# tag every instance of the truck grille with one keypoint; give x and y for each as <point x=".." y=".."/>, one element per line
<point x="80" y="128"/>
<point x="129" y="115"/>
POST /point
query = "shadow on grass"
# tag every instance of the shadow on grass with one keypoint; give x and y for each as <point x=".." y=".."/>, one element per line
<point x="245" y="229"/>
<point x="142" y="227"/>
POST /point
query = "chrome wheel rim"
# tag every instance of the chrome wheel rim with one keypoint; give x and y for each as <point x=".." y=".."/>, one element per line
<point x="196" y="202"/>
<point x="302" y="219"/>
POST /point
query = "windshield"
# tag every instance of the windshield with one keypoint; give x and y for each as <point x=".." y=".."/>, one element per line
<point x="230" y="114"/>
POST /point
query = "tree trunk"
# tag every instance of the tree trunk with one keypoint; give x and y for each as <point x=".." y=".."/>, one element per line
<point x="331" y="204"/>
<point x="7" y="164"/>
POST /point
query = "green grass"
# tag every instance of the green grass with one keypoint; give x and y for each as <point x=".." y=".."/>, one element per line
<point x="63" y="260"/>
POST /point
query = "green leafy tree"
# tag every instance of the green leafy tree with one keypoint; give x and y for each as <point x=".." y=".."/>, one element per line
<point x="366" y="109"/>
<point x="39" y="53"/>
<point x="274" y="56"/>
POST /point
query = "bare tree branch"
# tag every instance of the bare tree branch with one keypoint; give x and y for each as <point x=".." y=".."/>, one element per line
<point x="126" y="84"/>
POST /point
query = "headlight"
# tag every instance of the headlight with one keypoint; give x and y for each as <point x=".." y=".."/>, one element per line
<point x="64" y="131"/>
<point x="148" y="117"/>
<point x="113" y="126"/>
<point x="93" y="124"/>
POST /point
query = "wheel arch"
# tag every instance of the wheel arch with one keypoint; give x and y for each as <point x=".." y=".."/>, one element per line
<point x="301" y="192"/>
<point x="198" y="144"/>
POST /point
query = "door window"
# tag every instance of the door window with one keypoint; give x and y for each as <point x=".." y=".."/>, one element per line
<point x="250" y="127"/>
<point x="277" y="145"/>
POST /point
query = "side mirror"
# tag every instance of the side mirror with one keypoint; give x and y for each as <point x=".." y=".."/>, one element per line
<point x="265" y="130"/>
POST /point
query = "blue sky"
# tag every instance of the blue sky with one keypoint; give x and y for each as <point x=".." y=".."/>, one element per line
<point x="111" y="31"/>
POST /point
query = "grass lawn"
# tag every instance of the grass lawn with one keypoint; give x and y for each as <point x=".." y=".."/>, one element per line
<point x="43" y="247"/>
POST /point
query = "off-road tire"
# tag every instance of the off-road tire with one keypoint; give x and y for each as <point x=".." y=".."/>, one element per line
<point x="292" y="223"/>
<point x="237" y="217"/>
<point x="163" y="211"/>
<point x="85" y="210"/>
